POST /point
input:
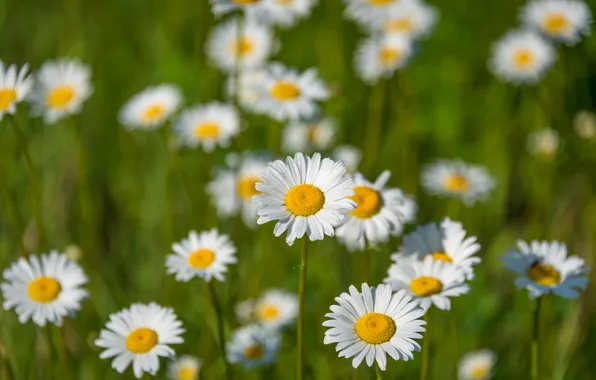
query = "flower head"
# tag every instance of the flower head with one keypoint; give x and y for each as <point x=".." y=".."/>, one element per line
<point x="151" y="107"/>
<point x="185" y="367"/>
<point x="477" y="365"/>
<point x="349" y="155"/>
<point x="307" y="137"/>
<point x="543" y="142"/>
<point x="15" y="84"/>
<point x="253" y="346"/>
<point x="411" y="18"/>
<point x="369" y="12"/>
<point x="252" y="8"/>
<point x="209" y="125"/>
<point x="275" y="309"/>
<point x="285" y="13"/>
<point x="562" y="20"/>
<point x="378" y="57"/>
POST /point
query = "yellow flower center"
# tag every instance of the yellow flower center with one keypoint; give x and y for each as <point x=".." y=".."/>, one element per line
<point x="141" y="340"/>
<point x="267" y="312"/>
<point x="479" y="372"/>
<point x="206" y="131"/>
<point x="284" y="2"/>
<point x="544" y="274"/>
<point x="441" y="256"/>
<point x="523" y="59"/>
<point x="378" y="3"/>
<point x="254" y="352"/>
<point x="245" y="2"/>
<point x="456" y="183"/>
<point x="368" y="202"/>
<point x="375" y="328"/>
<point x="44" y="289"/>
<point x="311" y="133"/>
<point x="425" y="286"/>
<point x="201" y="258"/>
<point x="187" y="373"/>
<point x="243" y="47"/>
<point x="7" y="96"/>
<point x="285" y="91"/>
<point x="59" y="97"/>
<point x="304" y="200"/>
<point x="403" y="24"/>
<point x="555" y="23"/>
<point x="246" y="187"/>
<point x="153" y="113"/>
<point x="388" y="56"/>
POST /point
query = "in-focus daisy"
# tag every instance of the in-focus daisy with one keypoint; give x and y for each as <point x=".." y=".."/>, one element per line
<point x="250" y="93"/>
<point x="306" y="137"/>
<point x="544" y="267"/>
<point x="276" y="309"/>
<point x="289" y="94"/>
<point x="185" y="367"/>
<point x="562" y="20"/>
<point x="367" y="12"/>
<point x="62" y="86"/>
<point x="140" y="335"/>
<point x="150" y="108"/>
<point x="253" y="346"/>
<point x="521" y="56"/>
<point x="544" y="142"/>
<point x="584" y="124"/>
<point x="349" y="155"/>
<point x="378" y="57"/>
<point x="477" y="365"/>
<point x="45" y="288"/>
<point x="252" y="8"/>
<point x="380" y="213"/>
<point x="455" y="178"/>
<point x="412" y="18"/>
<point x="305" y="195"/>
<point x="208" y="125"/>
<point x="374" y="323"/>
<point x="445" y="242"/>
<point x="429" y="282"/>
<point x="205" y="255"/>
<point x="285" y="13"/>
<point x="14" y="87"/>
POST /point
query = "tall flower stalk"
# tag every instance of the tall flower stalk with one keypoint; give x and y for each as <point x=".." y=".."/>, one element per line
<point x="301" y="298"/>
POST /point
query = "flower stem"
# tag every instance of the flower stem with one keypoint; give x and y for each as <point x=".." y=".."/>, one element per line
<point x="378" y="373"/>
<point x="301" y="296"/>
<point x="59" y="345"/>
<point x="425" y="350"/>
<point x="375" y="119"/>
<point x="220" y="328"/>
<point x="5" y="365"/>
<point x="455" y="344"/>
<point x="535" y="336"/>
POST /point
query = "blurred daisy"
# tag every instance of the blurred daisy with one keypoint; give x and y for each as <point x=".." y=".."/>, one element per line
<point x="252" y="346"/>
<point x="286" y="13"/>
<point x="455" y="178"/>
<point x="445" y="242"/>
<point x="305" y="195"/>
<point x="276" y="309"/>
<point x="45" y="288"/>
<point x="367" y="12"/>
<point x="62" y="86"/>
<point x="14" y="87"/>
<point x="429" y="282"/>
<point x="477" y="365"/>
<point x="374" y="323"/>
<point x="379" y="57"/>
<point x="151" y="107"/>
<point x="244" y="311"/>
<point x="306" y="137"/>
<point x="252" y="8"/>
<point x="250" y="93"/>
<point x="411" y="18"/>
<point x="205" y="255"/>
<point x="562" y="20"/>
<point x="349" y="155"/>
<point x="380" y="213"/>
<point x="208" y="125"/>
<point x="584" y="124"/>
<point x="544" y="267"/>
<point x="186" y="367"/>
<point x="140" y="335"/>
<point x="544" y="142"/>
<point x="521" y="56"/>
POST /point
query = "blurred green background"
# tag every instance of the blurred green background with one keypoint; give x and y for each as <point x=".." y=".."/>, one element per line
<point x="123" y="197"/>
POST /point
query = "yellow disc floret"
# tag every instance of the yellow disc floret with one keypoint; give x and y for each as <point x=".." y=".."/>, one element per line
<point x="368" y="202"/>
<point x="7" y="96"/>
<point x="304" y="200"/>
<point x="201" y="258"/>
<point x="59" y="97"/>
<point x="205" y="131"/>
<point x="44" y="289"/>
<point x="544" y="274"/>
<point x="375" y="328"/>
<point x="441" y="256"/>
<point x="284" y="91"/>
<point x="141" y="341"/>
<point x="425" y="286"/>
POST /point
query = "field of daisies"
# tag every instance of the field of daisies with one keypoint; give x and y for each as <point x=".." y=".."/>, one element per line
<point x="297" y="189"/>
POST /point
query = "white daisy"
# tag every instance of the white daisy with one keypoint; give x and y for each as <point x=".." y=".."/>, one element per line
<point x="429" y="281"/>
<point x="244" y="311"/>
<point x="374" y="323"/>
<point x="14" y="87"/>
<point x="562" y="20"/>
<point x="455" y="178"/>
<point x="185" y="367"/>
<point x="349" y="155"/>
<point x="249" y="82"/>
<point x="305" y="195"/>
<point x="150" y="108"/>
<point x="140" y="334"/>
<point x="208" y="125"/>
<point x="252" y="8"/>
<point x="521" y="56"/>
<point x="367" y="12"/>
<point x="445" y="242"/>
<point x="288" y="94"/>
<point x="61" y="88"/>
<point x="205" y="255"/>
<point x="286" y="13"/>
<point x="306" y="137"/>
<point x="477" y="365"/>
<point x="380" y="213"/>
<point x="544" y="267"/>
<point x="45" y="288"/>
<point x="276" y="309"/>
<point x="544" y="142"/>
<point x="378" y="57"/>
<point x="412" y="18"/>
<point x="584" y="124"/>
<point x="253" y="346"/>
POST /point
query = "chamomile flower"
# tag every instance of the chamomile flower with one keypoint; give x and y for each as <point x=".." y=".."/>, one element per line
<point x="306" y="137"/>
<point x="584" y="124"/>
<point x="252" y="8"/>
<point x="378" y="57"/>
<point x="205" y="255"/>
<point x="477" y="365"/>
<point x="367" y="12"/>
<point x="286" y="13"/>
<point x="380" y="213"/>
<point x="208" y="125"/>
<point x="457" y="179"/>
<point x="544" y="267"/>
<point x="562" y="20"/>
<point x="253" y="346"/>
<point x="306" y="195"/>
<point x="412" y="18"/>
<point x="151" y="107"/>
<point x="521" y="57"/>
<point x="14" y="87"/>
<point x="45" y="288"/>
<point x="373" y="323"/>
<point x="276" y="309"/>
<point x="250" y="94"/>
<point x="61" y="88"/>
<point x="429" y="281"/>
<point x="140" y="335"/>
<point x="289" y="94"/>
<point x="544" y="142"/>
<point x="349" y="155"/>
<point x="186" y="367"/>
<point x="445" y="242"/>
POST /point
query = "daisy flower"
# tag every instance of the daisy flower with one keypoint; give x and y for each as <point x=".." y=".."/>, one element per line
<point x="208" y="125"/>
<point x="252" y="346"/>
<point x="140" y="335"/>
<point x="151" y="107"/>
<point x="252" y="8"/>
<point x="306" y="195"/>
<point x="205" y="255"/>
<point x="544" y="142"/>
<point x="289" y="94"/>
<point x="14" y="87"/>
<point x="477" y="365"/>
<point x="276" y="309"/>
<point x="349" y="155"/>
<point x="303" y="137"/>
<point x="379" y="57"/>
<point x="544" y="267"/>
<point x="584" y="124"/>
<point x="429" y="282"/>
<point x="445" y="242"/>
<point x="457" y="179"/>
<point x="373" y="323"/>
<point x="186" y="367"/>
<point x="45" y="288"/>
<point x="286" y="13"/>
<point x="250" y="93"/>
<point x="380" y="213"/>
<point x="367" y="12"/>
<point x="413" y="18"/>
<point x="521" y="57"/>
<point x="562" y="20"/>
<point x="62" y="86"/>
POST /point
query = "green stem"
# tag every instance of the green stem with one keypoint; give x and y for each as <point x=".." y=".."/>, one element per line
<point x="375" y="119"/>
<point x="167" y="213"/>
<point x="59" y="346"/>
<point x="51" y="354"/>
<point x="455" y="343"/>
<point x="367" y="266"/>
<point x="5" y="364"/>
<point x="425" y="350"/>
<point x="220" y="327"/>
<point x="378" y="373"/>
<point x="535" y="336"/>
<point x="301" y="296"/>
